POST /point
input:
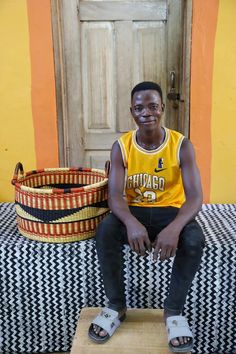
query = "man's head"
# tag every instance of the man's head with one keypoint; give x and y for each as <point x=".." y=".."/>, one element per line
<point x="147" y="85"/>
<point x="146" y="105"/>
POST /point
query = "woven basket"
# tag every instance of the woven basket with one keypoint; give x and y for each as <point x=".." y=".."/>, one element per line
<point x="60" y="204"/>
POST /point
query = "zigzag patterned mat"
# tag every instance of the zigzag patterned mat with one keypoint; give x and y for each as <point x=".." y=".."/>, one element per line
<point x="44" y="286"/>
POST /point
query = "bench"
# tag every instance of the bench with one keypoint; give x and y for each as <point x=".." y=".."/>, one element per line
<point x="44" y="286"/>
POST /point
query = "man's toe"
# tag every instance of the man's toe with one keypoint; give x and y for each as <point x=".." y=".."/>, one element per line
<point x="175" y="342"/>
<point x="180" y="341"/>
<point x="99" y="331"/>
<point x="102" y="333"/>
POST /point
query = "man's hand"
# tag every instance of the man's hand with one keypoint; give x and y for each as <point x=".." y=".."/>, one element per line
<point x="166" y="243"/>
<point x="138" y="237"/>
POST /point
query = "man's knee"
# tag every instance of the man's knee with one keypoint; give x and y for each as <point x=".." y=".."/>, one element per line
<point x="108" y="228"/>
<point x="192" y="240"/>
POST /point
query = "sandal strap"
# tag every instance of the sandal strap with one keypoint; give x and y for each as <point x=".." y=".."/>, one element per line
<point x="177" y="326"/>
<point x="108" y="320"/>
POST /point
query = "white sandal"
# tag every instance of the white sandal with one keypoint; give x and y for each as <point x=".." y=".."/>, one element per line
<point x="177" y="326"/>
<point x="109" y="321"/>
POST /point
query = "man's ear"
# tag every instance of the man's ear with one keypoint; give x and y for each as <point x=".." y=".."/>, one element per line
<point x="130" y="110"/>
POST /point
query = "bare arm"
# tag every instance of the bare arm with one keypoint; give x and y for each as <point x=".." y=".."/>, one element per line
<point x="116" y="181"/>
<point x="137" y="233"/>
<point x="192" y="186"/>
<point x="168" y="238"/>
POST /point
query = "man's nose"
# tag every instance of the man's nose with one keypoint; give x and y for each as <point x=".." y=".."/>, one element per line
<point x="146" y="111"/>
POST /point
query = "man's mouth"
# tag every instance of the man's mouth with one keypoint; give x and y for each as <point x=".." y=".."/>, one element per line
<point x="149" y="122"/>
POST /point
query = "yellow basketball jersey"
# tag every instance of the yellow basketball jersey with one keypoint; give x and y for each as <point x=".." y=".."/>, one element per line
<point x="153" y="178"/>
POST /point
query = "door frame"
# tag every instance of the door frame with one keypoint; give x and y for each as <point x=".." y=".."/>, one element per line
<point x="65" y="25"/>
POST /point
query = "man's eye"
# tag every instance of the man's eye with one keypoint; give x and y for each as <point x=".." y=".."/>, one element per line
<point x="154" y="107"/>
<point x="138" y="109"/>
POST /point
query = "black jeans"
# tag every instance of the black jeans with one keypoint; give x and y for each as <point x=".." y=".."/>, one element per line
<point x="111" y="235"/>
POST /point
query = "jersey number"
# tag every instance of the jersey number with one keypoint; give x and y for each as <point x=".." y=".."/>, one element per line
<point x="147" y="196"/>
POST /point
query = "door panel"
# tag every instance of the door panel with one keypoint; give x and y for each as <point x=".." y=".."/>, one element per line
<point x="125" y="47"/>
<point x="122" y="10"/>
<point x="109" y="46"/>
<point x="98" y="79"/>
<point x="150" y="52"/>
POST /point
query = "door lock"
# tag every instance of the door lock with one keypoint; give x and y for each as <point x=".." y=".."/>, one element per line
<point x="173" y="95"/>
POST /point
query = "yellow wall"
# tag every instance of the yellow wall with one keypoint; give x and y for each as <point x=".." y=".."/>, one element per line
<point x="16" y="133"/>
<point x="223" y="122"/>
<point x="27" y="90"/>
<point x="213" y="97"/>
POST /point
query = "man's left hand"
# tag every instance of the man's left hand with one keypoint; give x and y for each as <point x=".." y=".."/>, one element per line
<point x="165" y="245"/>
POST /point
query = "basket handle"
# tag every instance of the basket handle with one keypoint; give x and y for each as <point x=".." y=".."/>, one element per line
<point x="18" y="168"/>
<point x="107" y="168"/>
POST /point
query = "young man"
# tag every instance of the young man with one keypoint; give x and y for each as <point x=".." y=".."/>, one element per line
<point x="156" y="169"/>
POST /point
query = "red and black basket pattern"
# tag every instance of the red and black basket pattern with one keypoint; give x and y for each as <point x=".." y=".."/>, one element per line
<point x="60" y="204"/>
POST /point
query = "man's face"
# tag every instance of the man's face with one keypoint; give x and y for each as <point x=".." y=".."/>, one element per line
<point x="147" y="109"/>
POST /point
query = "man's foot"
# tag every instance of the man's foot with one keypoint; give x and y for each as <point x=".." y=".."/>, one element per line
<point x="179" y="324"/>
<point x="100" y="331"/>
<point x="105" y="324"/>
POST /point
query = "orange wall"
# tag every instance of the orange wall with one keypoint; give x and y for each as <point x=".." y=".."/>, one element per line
<point x="43" y="83"/>
<point x="202" y="60"/>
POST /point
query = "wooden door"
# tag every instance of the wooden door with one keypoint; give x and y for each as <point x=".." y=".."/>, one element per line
<point x="105" y="48"/>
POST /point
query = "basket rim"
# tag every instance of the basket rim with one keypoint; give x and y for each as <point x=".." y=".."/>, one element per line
<point x="51" y="191"/>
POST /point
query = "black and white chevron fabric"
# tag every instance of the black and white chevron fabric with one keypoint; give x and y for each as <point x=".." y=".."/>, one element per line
<point x="44" y="286"/>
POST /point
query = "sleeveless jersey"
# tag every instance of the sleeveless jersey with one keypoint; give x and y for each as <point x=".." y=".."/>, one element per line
<point x="153" y="177"/>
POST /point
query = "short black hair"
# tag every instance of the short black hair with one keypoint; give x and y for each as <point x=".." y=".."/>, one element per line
<point x="147" y="85"/>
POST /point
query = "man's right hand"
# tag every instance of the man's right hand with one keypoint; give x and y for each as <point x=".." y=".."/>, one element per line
<point x="137" y="234"/>
<point x="138" y="237"/>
